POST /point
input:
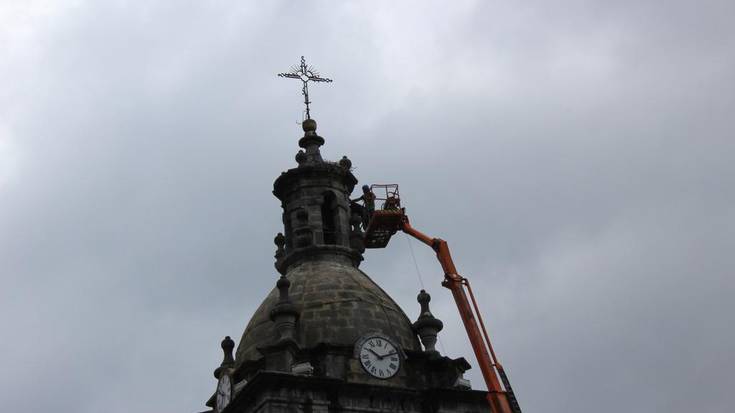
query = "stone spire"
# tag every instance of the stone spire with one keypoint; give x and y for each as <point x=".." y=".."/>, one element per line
<point x="284" y="314"/>
<point x="228" y="361"/>
<point x="427" y="326"/>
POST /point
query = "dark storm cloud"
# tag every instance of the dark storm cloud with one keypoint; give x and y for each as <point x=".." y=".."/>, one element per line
<point x="578" y="158"/>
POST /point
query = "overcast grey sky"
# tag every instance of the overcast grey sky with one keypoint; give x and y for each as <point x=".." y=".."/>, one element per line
<point x="578" y="156"/>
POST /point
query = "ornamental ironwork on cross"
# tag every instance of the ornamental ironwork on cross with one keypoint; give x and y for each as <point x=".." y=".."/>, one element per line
<point x="305" y="74"/>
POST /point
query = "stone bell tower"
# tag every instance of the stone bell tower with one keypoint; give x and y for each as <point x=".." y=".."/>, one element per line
<point x="327" y="338"/>
<point x="317" y="219"/>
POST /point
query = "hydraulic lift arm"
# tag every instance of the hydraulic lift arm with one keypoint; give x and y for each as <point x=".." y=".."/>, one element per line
<point x="501" y="401"/>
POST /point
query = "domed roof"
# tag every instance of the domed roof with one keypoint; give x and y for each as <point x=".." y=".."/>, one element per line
<point x="338" y="304"/>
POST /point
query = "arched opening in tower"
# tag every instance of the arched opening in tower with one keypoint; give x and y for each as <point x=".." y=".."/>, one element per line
<point x="329" y="227"/>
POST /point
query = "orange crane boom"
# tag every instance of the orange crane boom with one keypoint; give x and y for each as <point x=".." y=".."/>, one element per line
<point x="391" y="218"/>
<point x="501" y="401"/>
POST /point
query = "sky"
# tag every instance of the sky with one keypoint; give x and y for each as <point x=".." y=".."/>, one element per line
<point x="578" y="156"/>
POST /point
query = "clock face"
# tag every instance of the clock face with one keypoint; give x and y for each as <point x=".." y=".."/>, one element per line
<point x="379" y="357"/>
<point x="224" y="392"/>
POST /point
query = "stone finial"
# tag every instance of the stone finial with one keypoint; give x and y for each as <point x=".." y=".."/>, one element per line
<point x="280" y="242"/>
<point x="228" y="361"/>
<point x="345" y="163"/>
<point x="311" y="143"/>
<point x="227" y="346"/>
<point x="284" y="314"/>
<point x="300" y="157"/>
<point x="309" y="125"/>
<point x="427" y="326"/>
<point x="283" y="284"/>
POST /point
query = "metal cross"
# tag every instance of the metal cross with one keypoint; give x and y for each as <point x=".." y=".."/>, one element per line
<point x="305" y="74"/>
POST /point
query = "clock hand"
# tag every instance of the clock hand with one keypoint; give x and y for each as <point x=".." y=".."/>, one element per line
<point x="376" y="354"/>
<point x="384" y="355"/>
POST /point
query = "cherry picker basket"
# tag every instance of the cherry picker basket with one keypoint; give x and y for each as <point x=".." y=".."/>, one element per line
<point x="386" y="220"/>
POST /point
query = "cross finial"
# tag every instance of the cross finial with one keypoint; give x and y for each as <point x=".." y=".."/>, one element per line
<point x="305" y="74"/>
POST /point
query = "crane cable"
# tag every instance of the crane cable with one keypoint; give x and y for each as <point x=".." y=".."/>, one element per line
<point x="415" y="263"/>
<point x="421" y="281"/>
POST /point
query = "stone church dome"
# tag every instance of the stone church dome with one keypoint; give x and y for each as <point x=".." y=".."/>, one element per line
<point x="337" y="303"/>
<point x="318" y="254"/>
<point x="328" y="338"/>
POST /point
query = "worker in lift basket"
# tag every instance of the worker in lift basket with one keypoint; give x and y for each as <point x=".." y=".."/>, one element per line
<point x="368" y="199"/>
